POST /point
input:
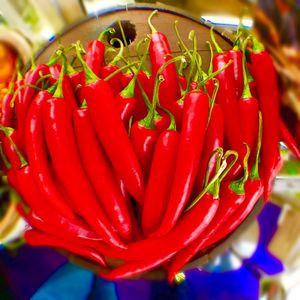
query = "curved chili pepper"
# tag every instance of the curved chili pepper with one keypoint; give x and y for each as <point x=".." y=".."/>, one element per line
<point x="38" y="156"/>
<point x="194" y="123"/>
<point x="265" y="77"/>
<point x="160" y="180"/>
<point x="159" y="250"/>
<point x="237" y="63"/>
<point x="160" y="53"/>
<point x="288" y="139"/>
<point x="112" y="133"/>
<point x="214" y="138"/>
<point x="37" y="238"/>
<point x="100" y="174"/>
<point x="59" y="132"/>
<point x="94" y="53"/>
<point x="43" y="216"/>
<point x="248" y="108"/>
<point x="23" y="103"/>
<point x="226" y="98"/>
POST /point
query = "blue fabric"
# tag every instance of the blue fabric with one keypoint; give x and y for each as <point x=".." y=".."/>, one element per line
<point x="69" y="282"/>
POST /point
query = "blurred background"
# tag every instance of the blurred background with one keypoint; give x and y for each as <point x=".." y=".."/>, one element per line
<point x="263" y="262"/>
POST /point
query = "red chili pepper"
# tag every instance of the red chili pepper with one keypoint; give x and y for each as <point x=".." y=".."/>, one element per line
<point x="194" y="123"/>
<point x="38" y="156"/>
<point x="160" y="53"/>
<point x="237" y="63"/>
<point x="214" y="138"/>
<point x="100" y="174"/>
<point x="115" y="82"/>
<point x="265" y="77"/>
<point x="160" y="180"/>
<point x="288" y="139"/>
<point x="29" y="93"/>
<point x="43" y="216"/>
<point x="227" y="99"/>
<point x="7" y="111"/>
<point x="58" y="124"/>
<point x="248" y="108"/>
<point x="159" y="250"/>
<point x="94" y="53"/>
<point x="37" y="238"/>
<point x="112" y="133"/>
<point x="76" y="79"/>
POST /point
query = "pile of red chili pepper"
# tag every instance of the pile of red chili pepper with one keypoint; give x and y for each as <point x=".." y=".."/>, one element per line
<point x="135" y="169"/>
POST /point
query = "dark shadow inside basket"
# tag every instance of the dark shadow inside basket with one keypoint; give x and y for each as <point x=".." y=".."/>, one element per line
<point x="134" y="21"/>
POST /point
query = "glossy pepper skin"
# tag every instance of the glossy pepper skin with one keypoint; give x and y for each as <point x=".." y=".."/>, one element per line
<point x="101" y="175"/>
<point x="237" y="63"/>
<point x="143" y="140"/>
<point x="160" y="53"/>
<point x="214" y="138"/>
<point x="227" y="99"/>
<point x="194" y="123"/>
<point x="160" y="180"/>
<point x="60" y="138"/>
<point x="112" y="133"/>
<point x="190" y="226"/>
<point x="37" y="238"/>
<point x="7" y="112"/>
<point x="43" y="216"/>
<point x="28" y="96"/>
<point x="265" y="77"/>
<point x="229" y="215"/>
<point x="38" y="156"/>
<point x="94" y="56"/>
<point x="116" y="81"/>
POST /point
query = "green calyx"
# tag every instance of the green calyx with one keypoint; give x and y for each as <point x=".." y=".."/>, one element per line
<point x="58" y="93"/>
<point x="238" y="186"/>
<point x="89" y="74"/>
<point x="8" y="131"/>
<point x="257" y="46"/>
<point x="254" y="171"/>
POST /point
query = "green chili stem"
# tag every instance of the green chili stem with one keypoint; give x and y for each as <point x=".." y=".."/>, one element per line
<point x="208" y="187"/>
<point x="124" y="39"/>
<point x="148" y="121"/>
<point x="219" y="152"/>
<point x="12" y="101"/>
<point x="118" y="57"/>
<point x="152" y="28"/>
<point x="246" y="91"/>
<point x="59" y="89"/>
<point x="172" y="125"/>
<point x="210" y="68"/>
<point x="19" y="73"/>
<point x="213" y="98"/>
<point x="8" y="131"/>
<point x="254" y="171"/>
<point x="120" y="70"/>
<point x="140" y="56"/>
<point x="4" y="158"/>
<point x="213" y="38"/>
<point x="238" y="186"/>
<point x="109" y="30"/>
<point x="89" y="74"/>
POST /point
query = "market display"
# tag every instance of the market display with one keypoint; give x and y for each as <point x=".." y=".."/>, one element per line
<point x="135" y="169"/>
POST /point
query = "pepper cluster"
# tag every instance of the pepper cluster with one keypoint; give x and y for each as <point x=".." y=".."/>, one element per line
<point x="134" y="169"/>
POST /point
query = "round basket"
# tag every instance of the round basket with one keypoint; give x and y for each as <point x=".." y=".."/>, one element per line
<point x="135" y="26"/>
